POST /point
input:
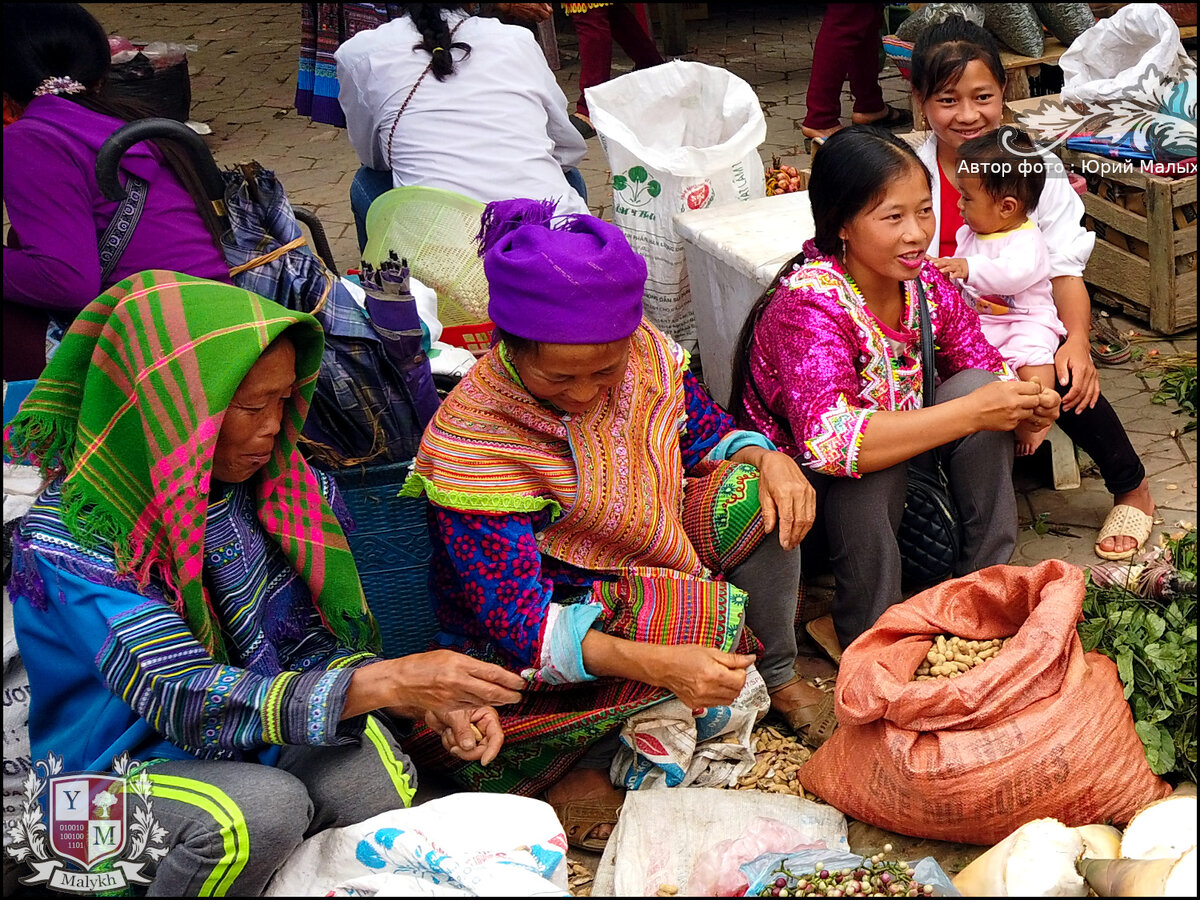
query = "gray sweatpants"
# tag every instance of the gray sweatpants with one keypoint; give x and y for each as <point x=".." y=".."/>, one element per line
<point x="861" y="516"/>
<point x="230" y="825"/>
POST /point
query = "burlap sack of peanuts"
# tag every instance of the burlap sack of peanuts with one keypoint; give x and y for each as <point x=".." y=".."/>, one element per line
<point x="1041" y="730"/>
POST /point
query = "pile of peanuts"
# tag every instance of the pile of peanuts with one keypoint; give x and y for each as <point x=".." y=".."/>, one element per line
<point x="950" y="656"/>
<point x="777" y="758"/>
<point x="667" y="890"/>
<point x="579" y="879"/>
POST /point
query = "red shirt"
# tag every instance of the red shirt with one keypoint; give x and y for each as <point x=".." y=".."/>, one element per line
<point x="949" y="218"/>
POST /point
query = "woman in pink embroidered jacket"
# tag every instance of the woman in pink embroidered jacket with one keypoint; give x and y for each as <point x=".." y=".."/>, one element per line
<point x="829" y="368"/>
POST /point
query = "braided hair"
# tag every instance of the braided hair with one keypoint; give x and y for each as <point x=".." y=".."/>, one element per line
<point x="435" y="35"/>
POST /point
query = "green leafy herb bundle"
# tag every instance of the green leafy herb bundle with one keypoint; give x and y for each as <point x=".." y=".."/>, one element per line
<point x="1153" y="643"/>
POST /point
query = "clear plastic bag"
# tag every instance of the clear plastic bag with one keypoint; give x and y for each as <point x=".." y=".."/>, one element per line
<point x="757" y="872"/>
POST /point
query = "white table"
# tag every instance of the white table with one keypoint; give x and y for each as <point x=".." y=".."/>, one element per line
<point x="732" y="254"/>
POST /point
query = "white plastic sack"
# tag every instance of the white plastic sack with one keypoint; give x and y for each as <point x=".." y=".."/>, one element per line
<point x="1110" y="60"/>
<point x="464" y="845"/>
<point x="679" y="136"/>
<point x="17" y="757"/>
<point x="661" y="836"/>
<point x="666" y="746"/>
<point x="22" y="484"/>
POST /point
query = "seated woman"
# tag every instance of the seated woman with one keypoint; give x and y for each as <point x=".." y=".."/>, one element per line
<point x="72" y="243"/>
<point x="958" y="79"/>
<point x="184" y="593"/>
<point x="490" y="124"/>
<point x="588" y="500"/>
<point x="828" y="365"/>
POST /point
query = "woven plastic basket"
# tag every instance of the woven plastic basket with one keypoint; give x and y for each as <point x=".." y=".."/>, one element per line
<point x="435" y="231"/>
<point x="390" y="543"/>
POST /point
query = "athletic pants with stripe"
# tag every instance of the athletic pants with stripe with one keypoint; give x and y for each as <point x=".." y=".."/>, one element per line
<point x="231" y="825"/>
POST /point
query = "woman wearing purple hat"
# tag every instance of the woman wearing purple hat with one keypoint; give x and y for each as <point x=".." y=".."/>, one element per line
<point x="588" y="501"/>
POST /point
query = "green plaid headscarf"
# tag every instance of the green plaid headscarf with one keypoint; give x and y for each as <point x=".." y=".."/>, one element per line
<point x="129" y="410"/>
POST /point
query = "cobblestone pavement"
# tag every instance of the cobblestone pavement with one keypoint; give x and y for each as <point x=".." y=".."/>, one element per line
<point x="243" y="75"/>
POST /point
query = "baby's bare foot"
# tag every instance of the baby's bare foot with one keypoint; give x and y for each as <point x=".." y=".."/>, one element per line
<point x="1029" y="438"/>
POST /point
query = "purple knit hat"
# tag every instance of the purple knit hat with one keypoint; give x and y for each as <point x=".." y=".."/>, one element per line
<point x="573" y="280"/>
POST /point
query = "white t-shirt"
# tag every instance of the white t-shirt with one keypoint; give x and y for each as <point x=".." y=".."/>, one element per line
<point x="496" y="129"/>
<point x="1059" y="214"/>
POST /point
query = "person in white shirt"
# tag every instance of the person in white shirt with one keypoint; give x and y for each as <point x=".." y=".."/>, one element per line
<point x="958" y="82"/>
<point x="1001" y="264"/>
<point x="448" y="100"/>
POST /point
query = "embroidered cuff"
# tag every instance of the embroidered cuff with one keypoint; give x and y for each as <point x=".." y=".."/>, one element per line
<point x="561" y="661"/>
<point x="736" y="440"/>
<point x="310" y="711"/>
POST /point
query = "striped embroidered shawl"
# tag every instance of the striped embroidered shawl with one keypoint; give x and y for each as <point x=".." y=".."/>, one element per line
<point x="612" y="477"/>
<point x="129" y="410"/>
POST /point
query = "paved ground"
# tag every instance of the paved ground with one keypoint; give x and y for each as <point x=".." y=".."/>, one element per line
<point x="243" y="84"/>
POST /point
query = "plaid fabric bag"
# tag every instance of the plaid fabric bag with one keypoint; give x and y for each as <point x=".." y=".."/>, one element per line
<point x="375" y="392"/>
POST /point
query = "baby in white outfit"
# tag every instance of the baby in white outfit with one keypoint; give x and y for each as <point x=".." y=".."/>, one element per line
<point x="1002" y="264"/>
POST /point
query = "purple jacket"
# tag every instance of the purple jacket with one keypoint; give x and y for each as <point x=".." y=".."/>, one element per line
<point x="58" y="213"/>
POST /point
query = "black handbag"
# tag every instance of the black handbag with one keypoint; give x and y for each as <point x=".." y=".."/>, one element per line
<point x="930" y="535"/>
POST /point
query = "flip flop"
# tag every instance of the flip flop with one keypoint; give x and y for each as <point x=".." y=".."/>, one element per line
<point x="1124" y="521"/>
<point x="579" y="817"/>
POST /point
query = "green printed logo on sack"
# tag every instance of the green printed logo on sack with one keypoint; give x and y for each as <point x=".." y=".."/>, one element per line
<point x="636" y="188"/>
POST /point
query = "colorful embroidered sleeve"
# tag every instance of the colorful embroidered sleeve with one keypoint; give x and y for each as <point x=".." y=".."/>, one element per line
<point x="957" y="333"/>
<point x="491" y="585"/>
<point x="153" y="663"/>
<point x="711" y="433"/>
<point x="706" y="425"/>
<point x="808" y="365"/>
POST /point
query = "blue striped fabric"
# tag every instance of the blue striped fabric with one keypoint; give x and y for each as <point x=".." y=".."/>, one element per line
<point x="288" y="677"/>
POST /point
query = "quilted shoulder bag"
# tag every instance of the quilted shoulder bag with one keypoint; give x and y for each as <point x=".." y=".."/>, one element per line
<point x="930" y="534"/>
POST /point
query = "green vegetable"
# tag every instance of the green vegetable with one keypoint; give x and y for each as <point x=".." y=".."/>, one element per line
<point x="1153" y="643"/>
<point x="1178" y="383"/>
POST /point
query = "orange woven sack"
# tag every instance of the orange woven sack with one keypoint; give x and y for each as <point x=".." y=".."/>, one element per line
<point x="1042" y="729"/>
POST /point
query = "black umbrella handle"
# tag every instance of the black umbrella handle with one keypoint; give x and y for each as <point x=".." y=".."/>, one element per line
<point x="109" y="157"/>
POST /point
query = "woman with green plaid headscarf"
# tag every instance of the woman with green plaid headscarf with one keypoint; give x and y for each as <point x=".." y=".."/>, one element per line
<point x="185" y="596"/>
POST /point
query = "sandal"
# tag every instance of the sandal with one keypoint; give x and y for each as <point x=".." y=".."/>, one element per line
<point x="1109" y="347"/>
<point x="893" y="118"/>
<point x="579" y="817"/>
<point x="1124" y="521"/>
<point x="815" y="137"/>
<point x="583" y="124"/>
<point x="813" y="724"/>
<point x="821" y="630"/>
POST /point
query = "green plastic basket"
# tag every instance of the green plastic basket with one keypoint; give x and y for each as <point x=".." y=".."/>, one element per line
<point x="435" y="231"/>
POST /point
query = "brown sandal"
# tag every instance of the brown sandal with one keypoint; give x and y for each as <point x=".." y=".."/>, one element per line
<point x="813" y="724"/>
<point x="579" y="817"/>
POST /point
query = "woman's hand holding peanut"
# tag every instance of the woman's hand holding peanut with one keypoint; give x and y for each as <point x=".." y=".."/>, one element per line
<point x="1003" y="405"/>
<point x="703" y="676"/>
